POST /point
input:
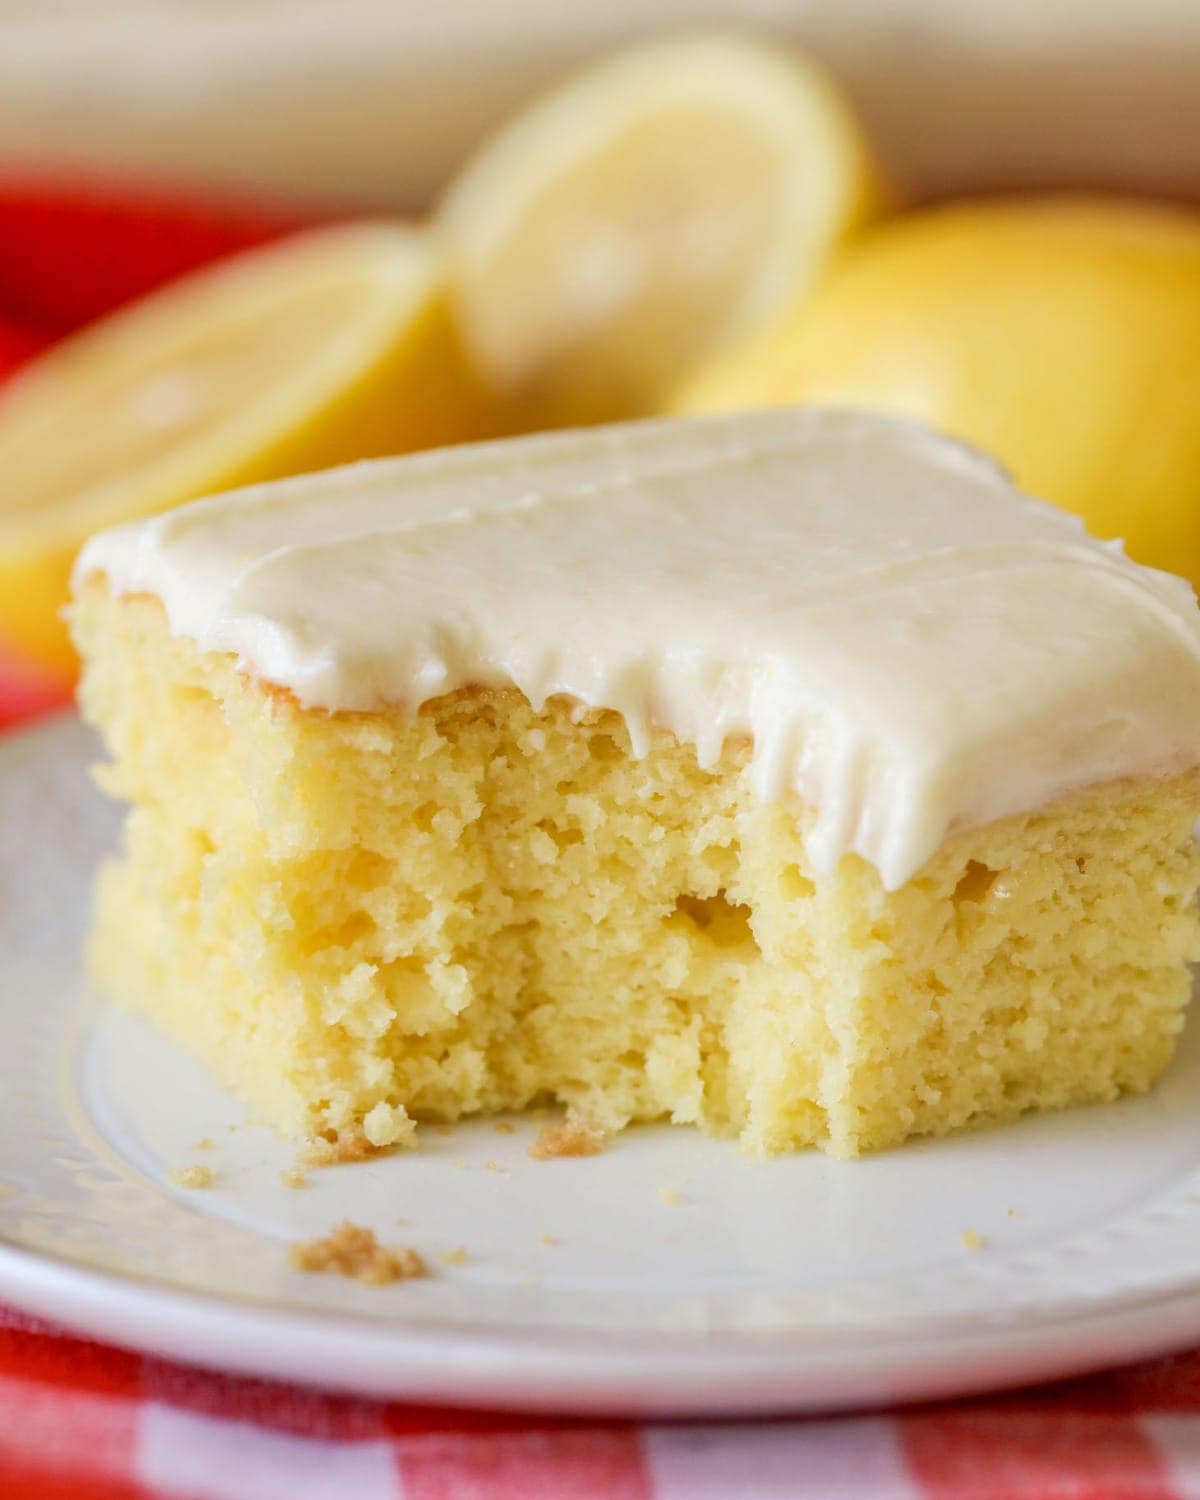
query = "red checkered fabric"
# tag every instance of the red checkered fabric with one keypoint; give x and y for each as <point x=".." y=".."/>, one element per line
<point x="79" y="1421"/>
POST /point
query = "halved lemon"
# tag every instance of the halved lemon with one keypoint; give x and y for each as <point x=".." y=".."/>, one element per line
<point x="1063" y="335"/>
<point x="639" y="216"/>
<point x="331" y="346"/>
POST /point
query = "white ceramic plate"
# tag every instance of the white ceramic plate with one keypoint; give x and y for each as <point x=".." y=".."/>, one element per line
<point x="681" y="1278"/>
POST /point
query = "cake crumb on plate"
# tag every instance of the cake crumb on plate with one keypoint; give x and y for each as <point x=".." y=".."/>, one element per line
<point x="459" y="1256"/>
<point x="568" y="1137"/>
<point x="352" y="1250"/>
<point x="972" y="1239"/>
<point x="347" y="1147"/>
<point x="293" y="1177"/>
<point x="191" y="1177"/>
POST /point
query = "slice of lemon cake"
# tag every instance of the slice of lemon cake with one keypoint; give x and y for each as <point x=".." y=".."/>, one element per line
<point x="789" y="774"/>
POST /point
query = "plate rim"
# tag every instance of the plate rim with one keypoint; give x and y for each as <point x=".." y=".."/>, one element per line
<point x="567" y="1371"/>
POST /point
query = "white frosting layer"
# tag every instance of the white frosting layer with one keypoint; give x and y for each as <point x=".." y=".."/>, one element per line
<point x="912" y="644"/>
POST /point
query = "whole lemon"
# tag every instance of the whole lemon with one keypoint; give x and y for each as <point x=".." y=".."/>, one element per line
<point x="1062" y="335"/>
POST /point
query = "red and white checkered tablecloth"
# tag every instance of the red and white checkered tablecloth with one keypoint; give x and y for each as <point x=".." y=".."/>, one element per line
<point x="81" y="1421"/>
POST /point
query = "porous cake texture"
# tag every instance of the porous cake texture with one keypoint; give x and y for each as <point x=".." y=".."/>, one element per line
<point x="466" y="902"/>
<point x="364" y="919"/>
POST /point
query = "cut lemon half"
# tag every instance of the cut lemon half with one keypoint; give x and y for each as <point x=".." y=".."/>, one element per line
<point x="644" y="213"/>
<point x="328" y="347"/>
<point x="1062" y="335"/>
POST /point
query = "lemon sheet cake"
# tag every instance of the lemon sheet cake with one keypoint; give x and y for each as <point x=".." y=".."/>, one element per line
<point x="789" y="774"/>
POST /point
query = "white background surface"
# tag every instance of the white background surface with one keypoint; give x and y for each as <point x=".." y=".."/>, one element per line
<point x="373" y="103"/>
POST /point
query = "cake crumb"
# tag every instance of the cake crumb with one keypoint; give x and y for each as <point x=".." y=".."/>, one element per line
<point x="1012" y="1213"/>
<point x="972" y="1240"/>
<point x="352" y="1250"/>
<point x="459" y="1256"/>
<point x="388" y="1125"/>
<point x="671" y="1195"/>
<point x="191" y="1177"/>
<point x="546" y="1239"/>
<point x="352" y="1146"/>
<point x="293" y="1177"/>
<point x="494" y="1166"/>
<point x="569" y="1137"/>
<point x="207" y="1144"/>
<point x="504" y="1128"/>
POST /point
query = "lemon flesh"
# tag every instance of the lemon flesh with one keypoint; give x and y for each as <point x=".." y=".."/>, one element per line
<point x="333" y="346"/>
<point x="630" y="222"/>
<point x="1063" y="336"/>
